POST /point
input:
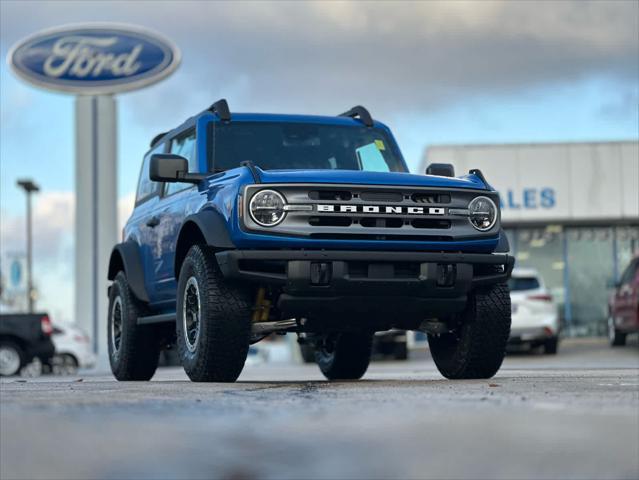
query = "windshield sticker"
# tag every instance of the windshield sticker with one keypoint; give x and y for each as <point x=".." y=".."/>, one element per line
<point x="380" y="145"/>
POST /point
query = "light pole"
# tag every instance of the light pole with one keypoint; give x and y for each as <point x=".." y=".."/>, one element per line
<point x="29" y="187"/>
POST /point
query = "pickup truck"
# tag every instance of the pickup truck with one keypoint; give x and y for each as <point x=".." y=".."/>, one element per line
<point x="23" y="337"/>
<point x="248" y="224"/>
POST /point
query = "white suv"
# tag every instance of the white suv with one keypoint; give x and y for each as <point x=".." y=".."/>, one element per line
<point x="534" y="313"/>
<point x="72" y="349"/>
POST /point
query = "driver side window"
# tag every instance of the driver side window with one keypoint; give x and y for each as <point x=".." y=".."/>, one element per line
<point x="183" y="145"/>
<point x="146" y="188"/>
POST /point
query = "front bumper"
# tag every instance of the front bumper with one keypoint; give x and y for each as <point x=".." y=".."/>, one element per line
<point x="338" y="281"/>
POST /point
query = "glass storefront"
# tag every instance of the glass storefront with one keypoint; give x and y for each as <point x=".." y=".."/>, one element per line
<point x="578" y="265"/>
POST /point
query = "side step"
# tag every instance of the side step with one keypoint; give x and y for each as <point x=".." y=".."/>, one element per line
<point x="162" y="318"/>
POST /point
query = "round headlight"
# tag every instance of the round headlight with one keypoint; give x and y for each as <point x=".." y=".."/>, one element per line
<point x="267" y="208"/>
<point x="482" y="213"/>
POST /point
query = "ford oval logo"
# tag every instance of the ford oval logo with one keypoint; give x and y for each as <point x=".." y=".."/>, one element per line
<point x="94" y="59"/>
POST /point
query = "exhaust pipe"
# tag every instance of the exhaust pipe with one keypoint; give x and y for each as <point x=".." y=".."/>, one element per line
<point x="269" y="327"/>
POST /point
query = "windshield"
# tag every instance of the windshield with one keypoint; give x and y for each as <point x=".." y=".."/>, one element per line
<point x="276" y="146"/>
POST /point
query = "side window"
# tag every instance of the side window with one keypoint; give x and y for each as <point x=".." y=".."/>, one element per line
<point x="146" y="187"/>
<point x="183" y="145"/>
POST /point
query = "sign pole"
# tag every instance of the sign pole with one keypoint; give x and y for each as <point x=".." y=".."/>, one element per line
<point x="29" y="255"/>
<point x="94" y="61"/>
<point x="96" y="212"/>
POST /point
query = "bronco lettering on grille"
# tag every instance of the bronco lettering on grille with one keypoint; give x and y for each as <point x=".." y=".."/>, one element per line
<point x="321" y="208"/>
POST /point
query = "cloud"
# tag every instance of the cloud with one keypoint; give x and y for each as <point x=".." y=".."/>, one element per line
<point x="53" y="216"/>
<point x="398" y="58"/>
<point x="53" y="226"/>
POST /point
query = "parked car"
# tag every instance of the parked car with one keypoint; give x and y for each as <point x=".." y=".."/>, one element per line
<point x="249" y="224"/>
<point x="73" y="349"/>
<point x="391" y="343"/>
<point x="623" y="308"/>
<point x="23" y="338"/>
<point x="535" y="317"/>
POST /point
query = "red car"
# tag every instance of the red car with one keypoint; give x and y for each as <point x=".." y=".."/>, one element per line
<point x="624" y="305"/>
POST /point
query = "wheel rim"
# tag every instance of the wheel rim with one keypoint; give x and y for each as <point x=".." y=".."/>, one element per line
<point x="69" y="364"/>
<point x="9" y="361"/>
<point x="191" y="313"/>
<point x="116" y="324"/>
<point x="327" y="347"/>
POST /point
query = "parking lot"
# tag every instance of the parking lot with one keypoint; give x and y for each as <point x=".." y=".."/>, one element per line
<point x="572" y="415"/>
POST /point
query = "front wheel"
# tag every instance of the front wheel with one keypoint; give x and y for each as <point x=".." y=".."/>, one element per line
<point x="65" y="364"/>
<point x="213" y="319"/>
<point x="475" y="346"/>
<point x="344" y="356"/>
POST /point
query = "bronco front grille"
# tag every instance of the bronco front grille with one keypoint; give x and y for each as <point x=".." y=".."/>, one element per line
<point x="361" y="212"/>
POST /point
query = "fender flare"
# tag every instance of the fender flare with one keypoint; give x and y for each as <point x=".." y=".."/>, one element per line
<point x="503" y="246"/>
<point x="126" y="255"/>
<point x="213" y="226"/>
<point x="210" y="225"/>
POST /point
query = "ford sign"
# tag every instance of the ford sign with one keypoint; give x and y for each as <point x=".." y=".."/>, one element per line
<point x="94" y="59"/>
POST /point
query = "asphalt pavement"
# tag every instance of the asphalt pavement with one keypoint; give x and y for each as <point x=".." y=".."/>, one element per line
<point x="573" y="415"/>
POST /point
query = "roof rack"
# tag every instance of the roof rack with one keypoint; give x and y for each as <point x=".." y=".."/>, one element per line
<point x="221" y="109"/>
<point x="359" y="112"/>
<point x="157" y="138"/>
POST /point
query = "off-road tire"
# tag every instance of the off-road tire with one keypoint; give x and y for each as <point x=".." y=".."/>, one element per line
<point x="222" y="344"/>
<point x="476" y="346"/>
<point x="348" y="357"/>
<point x="551" y="346"/>
<point x="136" y="357"/>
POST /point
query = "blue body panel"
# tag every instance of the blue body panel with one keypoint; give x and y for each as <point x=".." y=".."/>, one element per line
<point x="356" y="177"/>
<point x="220" y="193"/>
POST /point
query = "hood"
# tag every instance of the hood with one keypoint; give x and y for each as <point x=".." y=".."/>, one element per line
<point x="357" y="177"/>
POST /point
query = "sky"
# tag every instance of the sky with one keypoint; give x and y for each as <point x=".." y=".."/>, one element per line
<point x="435" y="72"/>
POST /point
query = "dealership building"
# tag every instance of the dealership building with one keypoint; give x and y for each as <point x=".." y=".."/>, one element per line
<point x="571" y="211"/>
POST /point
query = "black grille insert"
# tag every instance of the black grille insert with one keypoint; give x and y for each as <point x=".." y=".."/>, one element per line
<point x="430" y="223"/>
<point x="330" y="221"/>
<point x="431" y="198"/>
<point x="337" y="195"/>
<point x="381" y="222"/>
<point x="382" y="196"/>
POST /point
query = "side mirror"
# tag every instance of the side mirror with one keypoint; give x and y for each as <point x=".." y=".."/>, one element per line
<point x="171" y="168"/>
<point x="441" y="169"/>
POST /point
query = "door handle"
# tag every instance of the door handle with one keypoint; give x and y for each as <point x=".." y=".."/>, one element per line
<point x="153" y="222"/>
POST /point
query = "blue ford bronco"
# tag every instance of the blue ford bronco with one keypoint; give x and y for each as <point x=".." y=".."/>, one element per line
<point x="250" y="224"/>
